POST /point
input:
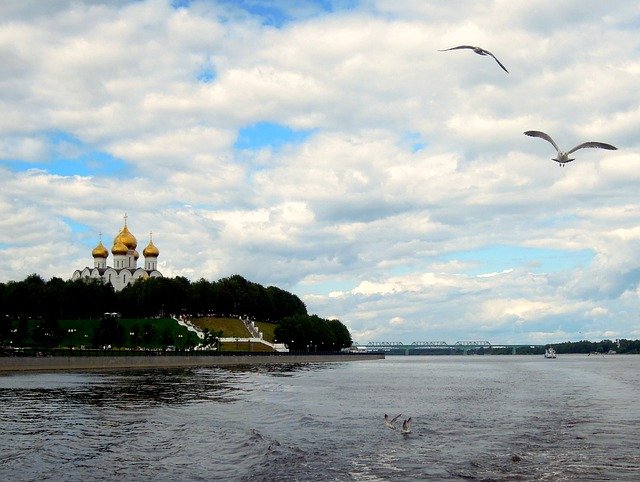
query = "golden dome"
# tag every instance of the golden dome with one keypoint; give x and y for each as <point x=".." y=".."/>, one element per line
<point x="151" y="251"/>
<point x="119" y="247"/>
<point x="126" y="238"/>
<point x="100" y="251"/>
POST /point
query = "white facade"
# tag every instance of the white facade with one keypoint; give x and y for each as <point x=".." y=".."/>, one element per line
<point x="150" y="263"/>
<point x="125" y="268"/>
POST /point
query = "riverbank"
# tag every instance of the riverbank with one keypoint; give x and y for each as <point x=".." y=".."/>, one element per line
<point x="54" y="363"/>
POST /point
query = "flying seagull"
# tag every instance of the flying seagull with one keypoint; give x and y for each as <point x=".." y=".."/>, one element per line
<point x="389" y="421"/>
<point x="563" y="157"/>
<point x="406" y="426"/>
<point x="479" y="51"/>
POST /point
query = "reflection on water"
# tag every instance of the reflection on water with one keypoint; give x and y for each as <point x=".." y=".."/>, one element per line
<point x="483" y="418"/>
<point x="130" y="388"/>
<point x="125" y="390"/>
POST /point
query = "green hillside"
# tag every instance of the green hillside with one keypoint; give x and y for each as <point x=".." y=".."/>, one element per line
<point x="230" y="327"/>
<point x="126" y="333"/>
<point x="234" y="328"/>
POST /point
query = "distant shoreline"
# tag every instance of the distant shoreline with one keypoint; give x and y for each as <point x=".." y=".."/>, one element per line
<point x="79" y="363"/>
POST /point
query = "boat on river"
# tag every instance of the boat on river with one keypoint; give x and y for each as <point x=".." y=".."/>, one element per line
<point x="550" y="353"/>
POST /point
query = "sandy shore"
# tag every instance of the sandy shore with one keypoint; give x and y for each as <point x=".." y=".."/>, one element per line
<point x="14" y="364"/>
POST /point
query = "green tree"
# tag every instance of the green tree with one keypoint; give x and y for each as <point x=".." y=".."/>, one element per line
<point x="27" y="297"/>
<point x="109" y="332"/>
<point x="312" y="333"/>
<point x="212" y="338"/>
<point x="201" y="297"/>
<point x="283" y="304"/>
<point x="6" y="326"/>
<point x="47" y="334"/>
<point x="22" y="336"/>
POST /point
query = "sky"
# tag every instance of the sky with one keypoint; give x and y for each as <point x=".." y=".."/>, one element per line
<point x="328" y="148"/>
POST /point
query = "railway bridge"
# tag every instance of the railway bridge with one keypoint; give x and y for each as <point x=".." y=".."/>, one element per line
<point x="464" y="346"/>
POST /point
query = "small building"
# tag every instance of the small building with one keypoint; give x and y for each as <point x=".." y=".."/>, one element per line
<point x="125" y="270"/>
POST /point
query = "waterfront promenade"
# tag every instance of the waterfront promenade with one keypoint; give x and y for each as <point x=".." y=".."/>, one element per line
<point x="52" y="363"/>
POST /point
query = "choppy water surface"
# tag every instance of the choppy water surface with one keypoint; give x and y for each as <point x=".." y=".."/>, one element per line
<point x="483" y="418"/>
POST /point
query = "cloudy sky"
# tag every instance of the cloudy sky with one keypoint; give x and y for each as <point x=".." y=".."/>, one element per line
<point x="329" y="149"/>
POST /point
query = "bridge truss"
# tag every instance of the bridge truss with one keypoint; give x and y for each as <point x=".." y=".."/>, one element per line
<point x="429" y="344"/>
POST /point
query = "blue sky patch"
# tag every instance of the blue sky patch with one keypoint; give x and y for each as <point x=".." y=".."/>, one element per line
<point x="268" y="134"/>
<point x="271" y="13"/>
<point x="415" y="141"/>
<point x="562" y="219"/>
<point x="495" y="259"/>
<point x="278" y="13"/>
<point x="180" y="4"/>
<point x="206" y="75"/>
<point x="69" y="156"/>
<point x="207" y="72"/>
<point x="75" y="226"/>
<point x="324" y="287"/>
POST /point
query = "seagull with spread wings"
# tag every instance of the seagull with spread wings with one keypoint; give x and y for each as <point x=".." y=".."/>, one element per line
<point x="389" y="421"/>
<point x="479" y="51"/>
<point x="562" y="157"/>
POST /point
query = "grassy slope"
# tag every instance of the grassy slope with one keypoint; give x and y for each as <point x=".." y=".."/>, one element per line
<point x="234" y="328"/>
<point x="267" y="330"/>
<point x="230" y="327"/>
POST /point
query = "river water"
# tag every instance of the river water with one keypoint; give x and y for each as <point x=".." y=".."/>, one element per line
<point x="473" y="417"/>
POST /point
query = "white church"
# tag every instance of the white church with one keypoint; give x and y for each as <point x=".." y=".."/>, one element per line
<point x="125" y="268"/>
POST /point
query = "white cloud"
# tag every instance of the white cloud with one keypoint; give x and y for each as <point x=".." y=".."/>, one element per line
<point x="598" y="311"/>
<point x="397" y="320"/>
<point x="23" y="149"/>
<point x="355" y="210"/>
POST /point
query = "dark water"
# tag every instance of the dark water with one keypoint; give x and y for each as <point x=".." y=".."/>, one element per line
<point x="474" y="418"/>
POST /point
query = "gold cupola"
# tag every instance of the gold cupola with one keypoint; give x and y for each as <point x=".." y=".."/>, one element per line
<point x="126" y="238"/>
<point x="100" y="251"/>
<point x="151" y="251"/>
<point x="119" y="247"/>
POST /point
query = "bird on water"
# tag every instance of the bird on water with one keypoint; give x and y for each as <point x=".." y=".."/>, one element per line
<point x="479" y="51"/>
<point x="389" y="421"/>
<point x="406" y="426"/>
<point x="562" y="157"/>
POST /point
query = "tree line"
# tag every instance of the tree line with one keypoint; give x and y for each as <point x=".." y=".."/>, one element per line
<point x="57" y="299"/>
<point x="233" y="296"/>
<point x="604" y="346"/>
<point x="312" y="333"/>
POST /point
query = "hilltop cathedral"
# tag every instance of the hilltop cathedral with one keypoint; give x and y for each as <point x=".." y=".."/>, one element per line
<point x="125" y="259"/>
